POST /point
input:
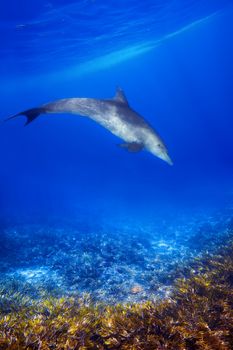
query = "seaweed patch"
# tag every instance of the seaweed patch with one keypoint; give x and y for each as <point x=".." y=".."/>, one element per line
<point x="197" y="315"/>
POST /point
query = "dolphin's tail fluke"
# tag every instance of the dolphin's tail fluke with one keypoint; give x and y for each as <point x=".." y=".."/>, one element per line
<point x="31" y="114"/>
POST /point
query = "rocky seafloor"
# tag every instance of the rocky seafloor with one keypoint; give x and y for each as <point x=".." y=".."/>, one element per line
<point x="112" y="263"/>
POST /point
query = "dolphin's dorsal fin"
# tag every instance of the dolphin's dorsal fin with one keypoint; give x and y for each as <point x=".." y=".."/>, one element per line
<point x="120" y="96"/>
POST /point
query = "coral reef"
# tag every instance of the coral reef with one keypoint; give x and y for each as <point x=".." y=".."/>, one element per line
<point x="198" y="315"/>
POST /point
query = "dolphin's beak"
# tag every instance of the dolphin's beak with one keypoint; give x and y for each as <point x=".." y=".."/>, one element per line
<point x="167" y="159"/>
<point x="162" y="155"/>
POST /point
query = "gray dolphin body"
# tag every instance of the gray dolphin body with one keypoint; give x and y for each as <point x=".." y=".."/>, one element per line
<point x="114" y="115"/>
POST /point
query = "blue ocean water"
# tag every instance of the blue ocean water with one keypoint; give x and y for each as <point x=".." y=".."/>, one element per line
<point x="69" y="196"/>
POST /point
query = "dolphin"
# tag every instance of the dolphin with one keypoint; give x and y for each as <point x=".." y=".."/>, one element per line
<point x="115" y="115"/>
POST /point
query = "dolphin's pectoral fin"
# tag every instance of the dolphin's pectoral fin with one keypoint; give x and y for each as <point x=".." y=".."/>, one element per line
<point x="132" y="146"/>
